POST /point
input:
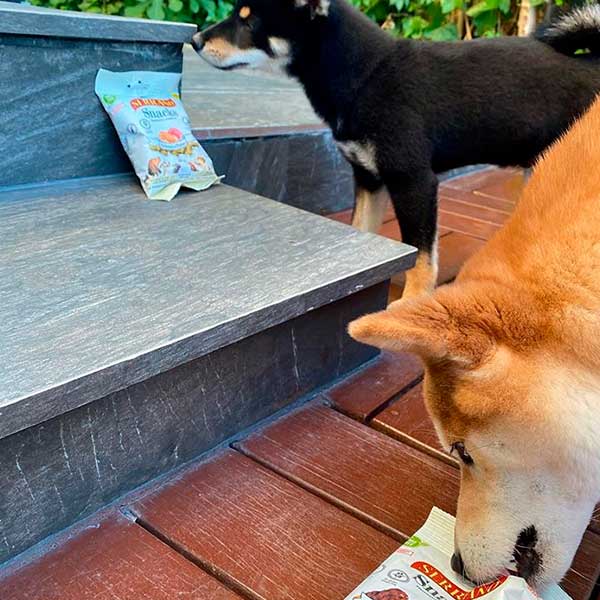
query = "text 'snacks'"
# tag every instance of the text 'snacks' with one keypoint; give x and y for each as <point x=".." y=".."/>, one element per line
<point x="146" y="110"/>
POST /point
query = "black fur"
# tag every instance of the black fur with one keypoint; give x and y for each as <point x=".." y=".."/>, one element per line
<point x="425" y="106"/>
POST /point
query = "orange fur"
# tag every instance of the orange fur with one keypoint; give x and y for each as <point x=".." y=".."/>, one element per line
<point x="534" y="287"/>
<point x="512" y="357"/>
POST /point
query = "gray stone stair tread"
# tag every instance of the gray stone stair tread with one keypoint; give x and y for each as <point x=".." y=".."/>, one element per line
<point x="38" y="21"/>
<point x="242" y="100"/>
<point x="101" y="288"/>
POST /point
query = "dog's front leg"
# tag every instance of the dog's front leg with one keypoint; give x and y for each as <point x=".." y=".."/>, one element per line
<point x="369" y="209"/>
<point x="414" y="198"/>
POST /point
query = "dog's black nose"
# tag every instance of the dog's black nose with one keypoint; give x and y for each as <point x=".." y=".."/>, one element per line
<point x="197" y="42"/>
<point x="457" y="564"/>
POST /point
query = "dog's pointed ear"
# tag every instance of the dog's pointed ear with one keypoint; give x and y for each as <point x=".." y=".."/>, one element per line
<point x="425" y="327"/>
<point x="316" y="7"/>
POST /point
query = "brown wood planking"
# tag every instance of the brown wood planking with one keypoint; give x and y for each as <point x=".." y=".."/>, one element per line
<point x="454" y="249"/>
<point x="266" y="534"/>
<point x="489" y="215"/>
<point x="391" y="230"/>
<point x="595" y="522"/>
<point x="580" y="582"/>
<point x="498" y="181"/>
<point x="334" y="457"/>
<point x="366" y="391"/>
<point x="384" y="482"/>
<point x="406" y="419"/>
<point x="343" y="216"/>
<point x="110" y="559"/>
<point x="475" y="199"/>
<point x="467" y="225"/>
<point x="510" y="189"/>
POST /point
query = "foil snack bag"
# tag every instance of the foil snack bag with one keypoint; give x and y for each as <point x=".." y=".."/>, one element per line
<point x="146" y="110"/>
<point x="420" y="570"/>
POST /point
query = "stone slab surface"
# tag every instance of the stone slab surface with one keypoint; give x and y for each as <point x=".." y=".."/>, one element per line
<point x="53" y="125"/>
<point x="303" y="169"/>
<point x="244" y="99"/>
<point x="28" y="20"/>
<point x="101" y="288"/>
<point x="63" y="469"/>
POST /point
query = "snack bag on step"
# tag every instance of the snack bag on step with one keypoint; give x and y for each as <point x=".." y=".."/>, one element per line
<point x="420" y="570"/>
<point x="153" y="127"/>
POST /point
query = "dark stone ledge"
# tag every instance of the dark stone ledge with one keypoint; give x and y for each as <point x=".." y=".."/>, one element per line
<point x="21" y="19"/>
<point x="57" y="472"/>
<point x="102" y="288"/>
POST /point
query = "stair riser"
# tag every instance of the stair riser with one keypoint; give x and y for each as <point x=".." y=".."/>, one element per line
<point x="305" y="170"/>
<point x="53" y="126"/>
<point x="55" y="473"/>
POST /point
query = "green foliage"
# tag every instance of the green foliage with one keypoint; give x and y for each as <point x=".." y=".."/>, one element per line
<point x="444" y="19"/>
<point x="202" y="12"/>
<point x="429" y="19"/>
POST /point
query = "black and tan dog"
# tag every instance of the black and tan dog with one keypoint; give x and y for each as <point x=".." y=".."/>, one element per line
<point x="403" y="110"/>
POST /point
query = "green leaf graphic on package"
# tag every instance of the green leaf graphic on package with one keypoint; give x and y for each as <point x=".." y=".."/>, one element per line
<point x="415" y="542"/>
<point x="108" y="99"/>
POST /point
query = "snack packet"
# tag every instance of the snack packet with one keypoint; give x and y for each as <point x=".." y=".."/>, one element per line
<point x="420" y="570"/>
<point x="152" y="124"/>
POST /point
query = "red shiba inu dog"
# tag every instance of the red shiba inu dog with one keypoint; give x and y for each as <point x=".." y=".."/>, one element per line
<point x="512" y="383"/>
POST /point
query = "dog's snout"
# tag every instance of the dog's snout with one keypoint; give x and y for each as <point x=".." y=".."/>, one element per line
<point x="457" y="564"/>
<point x="198" y="42"/>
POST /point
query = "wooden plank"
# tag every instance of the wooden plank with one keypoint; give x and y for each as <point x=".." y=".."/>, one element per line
<point x="510" y="188"/>
<point x="476" y="199"/>
<point x="454" y="249"/>
<point x="595" y="523"/>
<point x="110" y="559"/>
<point x="489" y="215"/>
<point x="365" y="392"/>
<point x="391" y="230"/>
<point x="269" y="536"/>
<point x="580" y="582"/>
<point x="388" y="484"/>
<point x="406" y="419"/>
<point x="468" y="225"/>
<point x="484" y="179"/>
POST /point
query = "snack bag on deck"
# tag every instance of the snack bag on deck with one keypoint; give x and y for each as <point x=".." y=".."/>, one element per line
<point x="420" y="570"/>
<point x="153" y="127"/>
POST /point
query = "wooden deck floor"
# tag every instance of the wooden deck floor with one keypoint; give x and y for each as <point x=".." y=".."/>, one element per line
<point x="471" y="209"/>
<point x="303" y="508"/>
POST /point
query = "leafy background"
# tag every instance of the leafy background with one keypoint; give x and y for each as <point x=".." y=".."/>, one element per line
<point x="429" y="19"/>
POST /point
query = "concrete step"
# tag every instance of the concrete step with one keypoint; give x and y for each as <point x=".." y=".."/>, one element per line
<point x="138" y="334"/>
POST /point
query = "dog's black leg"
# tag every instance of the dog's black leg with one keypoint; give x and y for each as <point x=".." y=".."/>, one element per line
<point x="414" y="199"/>
<point x="370" y="201"/>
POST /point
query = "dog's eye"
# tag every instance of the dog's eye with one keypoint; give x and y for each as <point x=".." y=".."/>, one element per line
<point x="460" y="449"/>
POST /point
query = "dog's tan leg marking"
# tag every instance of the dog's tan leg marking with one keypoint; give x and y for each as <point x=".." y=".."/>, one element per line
<point x="422" y="277"/>
<point x="369" y="210"/>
